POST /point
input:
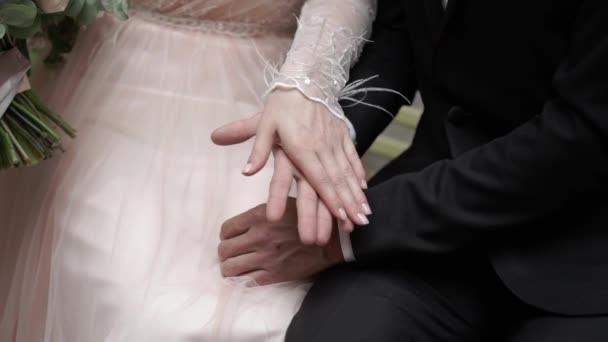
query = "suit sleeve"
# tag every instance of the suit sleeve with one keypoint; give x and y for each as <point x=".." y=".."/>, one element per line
<point x="521" y="178"/>
<point x="389" y="57"/>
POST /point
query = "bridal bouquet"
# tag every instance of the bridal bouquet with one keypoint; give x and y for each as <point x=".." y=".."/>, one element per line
<point x="29" y="131"/>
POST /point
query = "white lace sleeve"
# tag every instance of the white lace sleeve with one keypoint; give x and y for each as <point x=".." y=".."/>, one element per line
<point x="329" y="39"/>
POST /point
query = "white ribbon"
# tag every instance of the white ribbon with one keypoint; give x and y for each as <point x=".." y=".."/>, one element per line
<point x="13" y="77"/>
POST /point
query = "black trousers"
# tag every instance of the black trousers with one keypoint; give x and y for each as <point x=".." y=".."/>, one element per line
<point x="432" y="299"/>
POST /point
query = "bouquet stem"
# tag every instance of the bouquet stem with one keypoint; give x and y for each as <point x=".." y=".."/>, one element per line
<point x="30" y="132"/>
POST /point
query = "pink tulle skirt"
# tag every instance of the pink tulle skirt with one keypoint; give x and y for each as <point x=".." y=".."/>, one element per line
<point x="116" y="239"/>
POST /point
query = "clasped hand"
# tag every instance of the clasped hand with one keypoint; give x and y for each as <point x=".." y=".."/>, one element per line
<point x="316" y="151"/>
<point x="271" y="252"/>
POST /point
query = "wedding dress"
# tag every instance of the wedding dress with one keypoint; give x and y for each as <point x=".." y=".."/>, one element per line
<point x="116" y="239"/>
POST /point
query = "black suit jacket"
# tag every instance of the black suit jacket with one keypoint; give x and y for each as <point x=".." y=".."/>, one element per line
<point x="511" y="153"/>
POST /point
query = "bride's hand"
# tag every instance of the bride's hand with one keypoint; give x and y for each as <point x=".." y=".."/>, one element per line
<point x="314" y="219"/>
<point x="319" y="145"/>
<point x="315" y="222"/>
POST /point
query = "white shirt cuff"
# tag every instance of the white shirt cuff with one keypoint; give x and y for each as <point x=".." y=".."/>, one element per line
<point x="346" y="245"/>
<point x="351" y="130"/>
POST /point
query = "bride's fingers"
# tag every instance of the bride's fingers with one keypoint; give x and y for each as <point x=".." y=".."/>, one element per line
<point x="313" y="172"/>
<point x="342" y="188"/>
<point x="352" y="180"/>
<point x="280" y="184"/>
<point x="236" y="132"/>
<point x="324" y="224"/>
<point x="347" y="226"/>
<point x="306" y="202"/>
<point x="264" y="140"/>
<point x="355" y="161"/>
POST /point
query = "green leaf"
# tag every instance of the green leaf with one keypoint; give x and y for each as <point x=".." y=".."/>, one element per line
<point x="52" y="18"/>
<point x="2" y="30"/>
<point x="35" y="56"/>
<point x="74" y="8"/>
<point x="118" y="8"/>
<point x="18" y="13"/>
<point x="89" y="12"/>
<point x="25" y="32"/>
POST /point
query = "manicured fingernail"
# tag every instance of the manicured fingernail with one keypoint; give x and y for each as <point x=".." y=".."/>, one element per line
<point x="342" y="214"/>
<point x="363" y="184"/>
<point x="247" y="168"/>
<point x="363" y="219"/>
<point x="366" y="209"/>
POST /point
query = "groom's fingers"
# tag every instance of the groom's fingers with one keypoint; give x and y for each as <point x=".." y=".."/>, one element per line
<point x="238" y="245"/>
<point x="280" y="184"/>
<point x="241" y="264"/>
<point x="324" y="224"/>
<point x="306" y="202"/>
<point x="236" y="132"/>
<point x="264" y="140"/>
<point x="347" y="226"/>
<point x="352" y="180"/>
<point x="339" y="178"/>
<point x="263" y="277"/>
<point x="241" y="223"/>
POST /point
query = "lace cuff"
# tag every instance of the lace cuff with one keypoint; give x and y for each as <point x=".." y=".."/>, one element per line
<point x="329" y="39"/>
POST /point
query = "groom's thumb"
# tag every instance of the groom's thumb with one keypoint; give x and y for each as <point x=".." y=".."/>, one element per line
<point x="236" y="132"/>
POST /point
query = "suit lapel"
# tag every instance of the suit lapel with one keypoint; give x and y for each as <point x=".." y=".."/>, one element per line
<point x="438" y="18"/>
<point x="448" y="15"/>
<point x="434" y="17"/>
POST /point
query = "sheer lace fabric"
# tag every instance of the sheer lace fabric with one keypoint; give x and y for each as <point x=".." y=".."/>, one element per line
<point x="329" y="38"/>
<point x="328" y="42"/>
<point x="115" y="241"/>
<point x="248" y="18"/>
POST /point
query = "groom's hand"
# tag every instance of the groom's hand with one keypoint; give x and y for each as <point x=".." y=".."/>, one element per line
<point x="271" y="252"/>
<point x="316" y="141"/>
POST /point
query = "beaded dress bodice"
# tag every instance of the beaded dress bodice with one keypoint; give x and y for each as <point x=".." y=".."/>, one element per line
<point x="232" y="17"/>
<point x="329" y="36"/>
